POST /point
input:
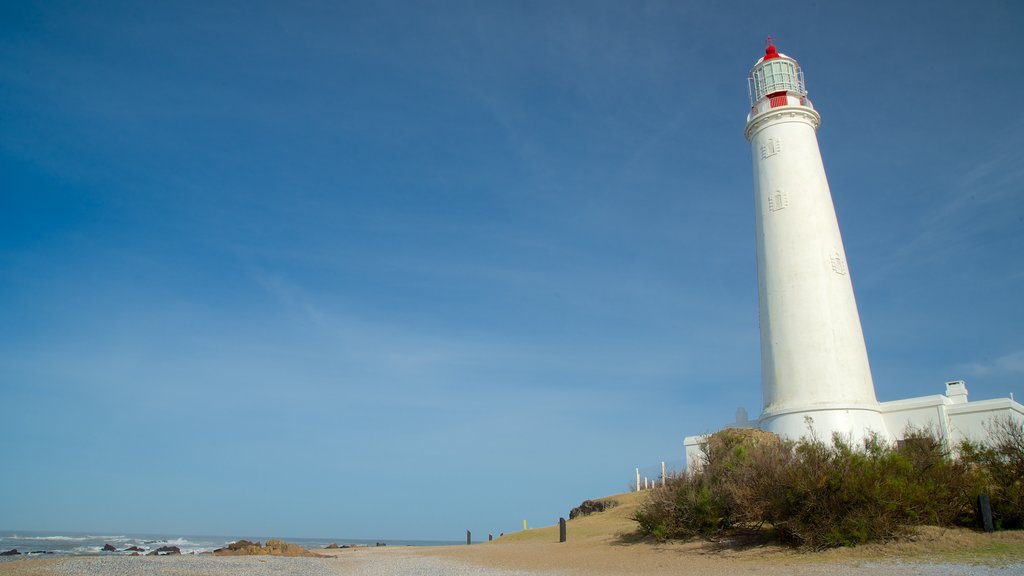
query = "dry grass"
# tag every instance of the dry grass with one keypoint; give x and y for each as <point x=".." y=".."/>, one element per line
<point x="607" y="543"/>
<point x="602" y="526"/>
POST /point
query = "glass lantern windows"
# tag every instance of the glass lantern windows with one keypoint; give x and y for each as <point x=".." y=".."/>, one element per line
<point x="776" y="75"/>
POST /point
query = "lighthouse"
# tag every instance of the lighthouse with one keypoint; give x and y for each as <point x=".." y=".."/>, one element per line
<point x="815" y="375"/>
<point x="814" y="364"/>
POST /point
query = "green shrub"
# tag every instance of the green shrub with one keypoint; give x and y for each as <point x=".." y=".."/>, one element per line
<point x="998" y="466"/>
<point x="687" y="506"/>
<point x="838" y="495"/>
<point x="815" y="494"/>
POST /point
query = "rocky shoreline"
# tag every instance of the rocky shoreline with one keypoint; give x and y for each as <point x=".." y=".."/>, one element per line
<point x="381" y="562"/>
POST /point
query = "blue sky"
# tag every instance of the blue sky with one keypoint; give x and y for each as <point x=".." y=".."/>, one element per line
<point x="400" y="269"/>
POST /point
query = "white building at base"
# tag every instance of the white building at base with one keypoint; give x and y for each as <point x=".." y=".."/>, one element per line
<point x="814" y="363"/>
<point x="951" y="416"/>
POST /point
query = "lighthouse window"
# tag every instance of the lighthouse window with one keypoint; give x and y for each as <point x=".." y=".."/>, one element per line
<point x="770" y="148"/>
<point x="777" y="76"/>
<point x="777" y="201"/>
<point x="838" y="266"/>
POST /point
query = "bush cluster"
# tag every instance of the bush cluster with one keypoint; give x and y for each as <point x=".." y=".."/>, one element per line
<point x="999" y="466"/>
<point x="815" y="494"/>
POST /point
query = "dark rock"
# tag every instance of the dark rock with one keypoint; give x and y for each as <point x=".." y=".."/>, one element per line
<point x="238" y="546"/>
<point x="589" y="507"/>
<point x="109" y="548"/>
<point x="11" y="552"/>
<point x="272" y="548"/>
<point x="40" y="552"/>
<point x="134" y="549"/>
<point x="166" y="550"/>
<point x="332" y="546"/>
<point x="382" y="543"/>
<point x="242" y="544"/>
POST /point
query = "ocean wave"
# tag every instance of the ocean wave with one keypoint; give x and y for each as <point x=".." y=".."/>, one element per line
<point x="85" y="544"/>
<point x="51" y="538"/>
<point x="87" y="550"/>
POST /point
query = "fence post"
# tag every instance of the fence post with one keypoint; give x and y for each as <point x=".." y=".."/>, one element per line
<point x="561" y="529"/>
<point x="469" y="538"/>
<point x="985" y="513"/>
<point x="663" y="474"/>
<point x="638" y="480"/>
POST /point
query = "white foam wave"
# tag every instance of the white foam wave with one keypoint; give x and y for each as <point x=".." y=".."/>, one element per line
<point x="91" y="544"/>
<point x="86" y="550"/>
<point x="54" y="538"/>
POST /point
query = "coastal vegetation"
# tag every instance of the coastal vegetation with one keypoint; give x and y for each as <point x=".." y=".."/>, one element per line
<point x="817" y="495"/>
<point x="999" y="466"/>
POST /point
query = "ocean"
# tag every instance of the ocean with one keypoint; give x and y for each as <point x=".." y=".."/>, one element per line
<point x="79" y="544"/>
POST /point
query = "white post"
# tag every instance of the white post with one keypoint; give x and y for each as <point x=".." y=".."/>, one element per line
<point x="637" y="479"/>
<point x="663" y="474"/>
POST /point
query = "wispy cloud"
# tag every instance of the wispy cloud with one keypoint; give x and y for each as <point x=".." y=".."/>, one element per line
<point x="968" y="209"/>
<point x="1012" y="363"/>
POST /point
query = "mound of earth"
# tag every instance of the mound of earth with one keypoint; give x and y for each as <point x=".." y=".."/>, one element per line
<point x="589" y="507"/>
<point x="271" y="548"/>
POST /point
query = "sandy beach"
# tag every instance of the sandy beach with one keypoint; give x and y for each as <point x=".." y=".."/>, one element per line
<point x="515" y="560"/>
<point x="600" y="544"/>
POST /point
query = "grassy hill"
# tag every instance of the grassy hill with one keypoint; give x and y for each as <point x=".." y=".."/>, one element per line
<point x="603" y="526"/>
<point x="607" y="543"/>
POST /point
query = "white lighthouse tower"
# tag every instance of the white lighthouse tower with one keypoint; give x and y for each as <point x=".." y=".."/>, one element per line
<point x="813" y="359"/>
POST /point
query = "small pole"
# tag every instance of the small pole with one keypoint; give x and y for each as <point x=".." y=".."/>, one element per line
<point x="637" y="479"/>
<point x="663" y="474"/>
<point x="469" y="537"/>
<point x="524" y="525"/>
<point x="985" y="513"/>
<point x="561" y="529"/>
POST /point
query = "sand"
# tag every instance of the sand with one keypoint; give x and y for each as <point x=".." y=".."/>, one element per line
<point x="600" y="544"/>
<point x="605" y="544"/>
<point x="520" y="559"/>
